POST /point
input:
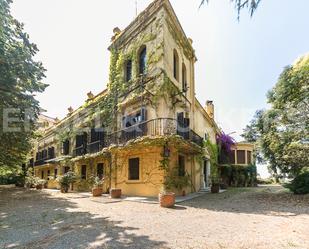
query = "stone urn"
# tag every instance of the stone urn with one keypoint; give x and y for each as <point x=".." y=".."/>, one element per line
<point x="167" y="200"/>
<point x="115" y="193"/>
<point x="97" y="192"/>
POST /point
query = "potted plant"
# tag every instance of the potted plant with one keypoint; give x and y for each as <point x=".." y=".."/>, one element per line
<point x="97" y="189"/>
<point x="39" y="183"/>
<point x="115" y="193"/>
<point x="166" y="199"/>
<point x="66" y="180"/>
<point x="215" y="185"/>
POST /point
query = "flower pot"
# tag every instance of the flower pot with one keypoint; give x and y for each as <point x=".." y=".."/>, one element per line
<point x="39" y="187"/>
<point x="167" y="200"/>
<point x="215" y="189"/>
<point x="96" y="192"/>
<point x="64" y="189"/>
<point x="115" y="193"/>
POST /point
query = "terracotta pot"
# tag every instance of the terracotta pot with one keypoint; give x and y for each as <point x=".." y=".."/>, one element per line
<point x="64" y="189"/>
<point x="215" y="189"/>
<point x="167" y="200"/>
<point x="39" y="187"/>
<point x="96" y="192"/>
<point x="115" y="193"/>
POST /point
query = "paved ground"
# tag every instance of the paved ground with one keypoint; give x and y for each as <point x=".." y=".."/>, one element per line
<point x="264" y="217"/>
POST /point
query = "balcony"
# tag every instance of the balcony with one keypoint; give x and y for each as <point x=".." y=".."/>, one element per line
<point x="80" y="151"/>
<point x="40" y="162"/>
<point x="95" y="147"/>
<point x="154" y="127"/>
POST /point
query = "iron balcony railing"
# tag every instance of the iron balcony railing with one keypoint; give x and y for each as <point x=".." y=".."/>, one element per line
<point x="80" y="151"/>
<point x="95" y="147"/>
<point x="154" y="127"/>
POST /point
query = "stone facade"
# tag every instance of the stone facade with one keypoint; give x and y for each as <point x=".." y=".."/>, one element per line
<point x="152" y="115"/>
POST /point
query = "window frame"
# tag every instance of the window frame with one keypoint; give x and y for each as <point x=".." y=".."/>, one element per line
<point x="142" y="64"/>
<point x="244" y="157"/>
<point x="128" y="62"/>
<point x="181" y="165"/>
<point x="184" y="75"/>
<point x="175" y="65"/>
<point x="129" y="169"/>
<point x="83" y="174"/>
<point x="97" y="173"/>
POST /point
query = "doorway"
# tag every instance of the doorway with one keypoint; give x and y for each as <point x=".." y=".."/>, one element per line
<point x="206" y="173"/>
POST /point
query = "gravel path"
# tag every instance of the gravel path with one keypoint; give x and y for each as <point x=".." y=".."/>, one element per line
<point x="264" y="217"/>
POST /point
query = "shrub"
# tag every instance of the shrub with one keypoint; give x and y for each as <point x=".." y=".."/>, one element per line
<point x="300" y="184"/>
<point x="66" y="179"/>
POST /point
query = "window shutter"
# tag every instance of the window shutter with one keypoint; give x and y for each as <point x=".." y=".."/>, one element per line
<point x="93" y="135"/>
<point x="144" y="114"/>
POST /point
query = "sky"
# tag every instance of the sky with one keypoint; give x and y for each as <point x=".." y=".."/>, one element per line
<point x="238" y="62"/>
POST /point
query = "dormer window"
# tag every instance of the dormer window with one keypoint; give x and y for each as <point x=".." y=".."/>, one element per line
<point x="176" y="65"/>
<point x="142" y="60"/>
<point x="128" y="68"/>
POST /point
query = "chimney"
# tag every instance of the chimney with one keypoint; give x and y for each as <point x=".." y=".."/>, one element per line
<point x="70" y="109"/>
<point x="210" y="109"/>
<point x="90" y="95"/>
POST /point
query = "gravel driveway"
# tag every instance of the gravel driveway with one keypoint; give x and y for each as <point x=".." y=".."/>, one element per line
<point x="264" y="217"/>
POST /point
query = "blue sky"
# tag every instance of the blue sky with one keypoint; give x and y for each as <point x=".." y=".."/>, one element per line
<point x="238" y="62"/>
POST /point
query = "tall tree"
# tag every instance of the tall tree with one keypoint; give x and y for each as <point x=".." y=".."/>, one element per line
<point x="282" y="132"/>
<point x="20" y="79"/>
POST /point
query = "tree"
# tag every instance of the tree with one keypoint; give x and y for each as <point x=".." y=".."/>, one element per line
<point x="241" y="4"/>
<point x="20" y="79"/>
<point x="282" y="132"/>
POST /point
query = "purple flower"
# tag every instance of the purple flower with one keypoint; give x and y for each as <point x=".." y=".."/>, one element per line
<point x="225" y="142"/>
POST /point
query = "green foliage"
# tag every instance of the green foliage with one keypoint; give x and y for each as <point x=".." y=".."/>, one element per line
<point x="174" y="181"/>
<point x="281" y="133"/>
<point x="238" y="175"/>
<point x="12" y="178"/>
<point x="96" y="182"/>
<point x="20" y="80"/>
<point x="300" y="184"/>
<point x="67" y="179"/>
<point x="213" y="152"/>
<point x="30" y="179"/>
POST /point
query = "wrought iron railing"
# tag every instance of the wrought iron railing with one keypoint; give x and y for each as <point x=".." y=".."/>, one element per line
<point x="95" y="147"/>
<point x="80" y="151"/>
<point x="154" y="127"/>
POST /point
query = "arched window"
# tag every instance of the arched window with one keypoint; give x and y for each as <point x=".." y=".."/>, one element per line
<point x="128" y="69"/>
<point x="184" y="78"/>
<point x="142" y="60"/>
<point x="176" y="65"/>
